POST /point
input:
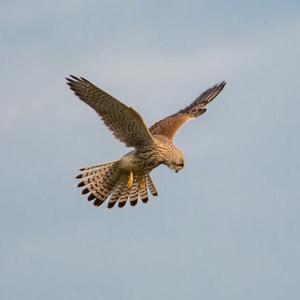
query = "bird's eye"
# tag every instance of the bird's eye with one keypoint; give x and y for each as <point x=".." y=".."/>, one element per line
<point x="181" y="164"/>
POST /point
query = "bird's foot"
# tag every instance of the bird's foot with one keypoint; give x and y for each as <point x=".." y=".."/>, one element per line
<point x="142" y="183"/>
<point x="130" y="180"/>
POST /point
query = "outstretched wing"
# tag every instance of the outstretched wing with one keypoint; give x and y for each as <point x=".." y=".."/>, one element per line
<point x="169" y="125"/>
<point x="125" y="123"/>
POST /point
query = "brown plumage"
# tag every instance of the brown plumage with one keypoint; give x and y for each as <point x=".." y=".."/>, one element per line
<point x="169" y="125"/>
<point x="128" y="179"/>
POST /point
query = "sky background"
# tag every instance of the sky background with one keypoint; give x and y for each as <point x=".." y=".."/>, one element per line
<point x="226" y="226"/>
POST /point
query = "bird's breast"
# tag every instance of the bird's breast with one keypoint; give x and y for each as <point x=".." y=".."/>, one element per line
<point x="139" y="161"/>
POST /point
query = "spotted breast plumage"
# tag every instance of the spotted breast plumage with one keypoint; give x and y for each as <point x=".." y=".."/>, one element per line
<point x="128" y="179"/>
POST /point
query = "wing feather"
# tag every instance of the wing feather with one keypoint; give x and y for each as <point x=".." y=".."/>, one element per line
<point x="170" y="125"/>
<point x="125" y="123"/>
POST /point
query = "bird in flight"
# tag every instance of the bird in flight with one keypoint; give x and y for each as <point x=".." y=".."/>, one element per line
<point x="129" y="177"/>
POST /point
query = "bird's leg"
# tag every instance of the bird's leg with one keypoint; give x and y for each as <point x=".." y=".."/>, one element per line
<point x="142" y="183"/>
<point x="130" y="180"/>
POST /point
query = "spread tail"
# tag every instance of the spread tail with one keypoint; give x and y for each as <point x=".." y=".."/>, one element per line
<point x="108" y="181"/>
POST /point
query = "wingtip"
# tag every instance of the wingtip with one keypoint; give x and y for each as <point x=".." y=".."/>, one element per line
<point x="71" y="78"/>
<point x="222" y="84"/>
<point x="74" y="77"/>
<point x="83" y="79"/>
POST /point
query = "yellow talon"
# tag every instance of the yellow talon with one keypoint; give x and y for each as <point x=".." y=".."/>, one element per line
<point x="130" y="180"/>
<point x="142" y="184"/>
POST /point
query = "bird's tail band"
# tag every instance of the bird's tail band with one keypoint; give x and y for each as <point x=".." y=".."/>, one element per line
<point x="109" y="181"/>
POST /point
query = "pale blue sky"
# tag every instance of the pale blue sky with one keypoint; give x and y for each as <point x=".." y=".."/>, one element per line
<point x="227" y="226"/>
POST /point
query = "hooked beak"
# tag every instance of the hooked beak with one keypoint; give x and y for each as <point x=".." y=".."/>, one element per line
<point x="176" y="168"/>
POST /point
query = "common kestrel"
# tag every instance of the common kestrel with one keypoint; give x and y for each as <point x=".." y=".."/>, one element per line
<point x="129" y="177"/>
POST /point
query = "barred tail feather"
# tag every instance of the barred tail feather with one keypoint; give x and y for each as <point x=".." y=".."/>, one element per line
<point x="116" y="195"/>
<point x="124" y="197"/>
<point x="150" y="185"/>
<point x="144" y="190"/>
<point x="99" y="181"/>
<point x="106" y="181"/>
<point x="139" y="189"/>
<point x="134" y="192"/>
<point x="89" y="171"/>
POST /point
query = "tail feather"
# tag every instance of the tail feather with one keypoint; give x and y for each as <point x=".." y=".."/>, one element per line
<point x="150" y="185"/>
<point x="98" y="202"/>
<point x="124" y="197"/>
<point x="102" y="192"/>
<point x="134" y="192"/>
<point x="106" y="181"/>
<point x="98" y="181"/>
<point x="116" y="194"/>
<point x="143" y="190"/>
<point x="90" y="171"/>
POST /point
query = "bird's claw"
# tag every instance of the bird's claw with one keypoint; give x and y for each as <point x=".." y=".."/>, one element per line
<point x="142" y="183"/>
<point x="130" y="180"/>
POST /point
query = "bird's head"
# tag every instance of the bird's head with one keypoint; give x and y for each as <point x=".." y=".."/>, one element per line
<point x="176" y="160"/>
